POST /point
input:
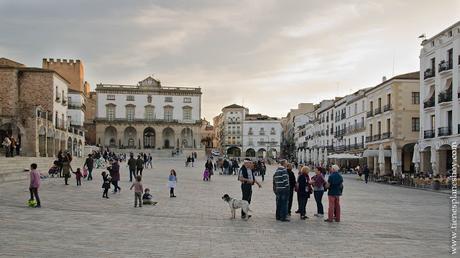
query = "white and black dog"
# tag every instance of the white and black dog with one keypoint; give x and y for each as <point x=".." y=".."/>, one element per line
<point x="236" y="204"/>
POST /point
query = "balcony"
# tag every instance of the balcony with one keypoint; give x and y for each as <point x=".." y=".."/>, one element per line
<point x="428" y="134"/>
<point x="143" y="120"/>
<point x="429" y="73"/>
<point x="378" y="111"/>
<point x="387" y="107"/>
<point x="368" y="138"/>
<point x="343" y="116"/>
<point x="386" y="135"/>
<point x="429" y="103"/>
<point x="444" y="131"/>
<point x="370" y="113"/>
<point x="377" y="137"/>
<point x="445" y="96"/>
<point x="444" y="66"/>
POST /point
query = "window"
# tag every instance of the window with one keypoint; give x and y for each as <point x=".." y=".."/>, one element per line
<point x="130" y="98"/>
<point x="149" y="99"/>
<point x="168" y="99"/>
<point x="415" y="124"/>
<point x="250" y="131"/>
<point x="187" y="113"/>
<point x="356" y="108"/>
<point x="168" y="113"/>
<point x="149" y="113"/>
<point x="110" y="112"/>
<point x="130" y="113"/>
<point x="273" y="132"/>
<point x="415" y="97"/>
<point x="187" y="100"/>
<point x="262" y="131"/>
<point x="110" y="97"/>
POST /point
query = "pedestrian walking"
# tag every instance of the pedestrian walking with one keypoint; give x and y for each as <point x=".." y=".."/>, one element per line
<point x="247" y="179"/>
<point x="89" y="164"/>
<point x="12" y="146"/>
<point x="66" y="169"/>
<point x="281" y="190"/>
<point x="303" y="191"/>
<point x="114" y="171"/>
<point x="318" y="182"/>
<point x="172" y="182"/>
<point x="366" y="173"/>
<point x="105" y="184"/>
<point x="208" y="166"/>
<point x="139" y="165"/>
<point x="335" y="188"/>
<point x="292" y="185"/>
<point x="78" y="176"/>
<point x="149" y="161"/>
<point x="138" y="190"/>
<point x="34" y="185"/>
<point x="132" y="165"/>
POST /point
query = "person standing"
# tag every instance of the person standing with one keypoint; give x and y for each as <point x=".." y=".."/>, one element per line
<point x="132" y="164"/>
<point x="66" y="169"/>
<point x="335" y="187"/>
<point x="209" y="167"/>
<point x="114" y="170"/>
<point x="138" y="190"/>
<point x="247" y="179"/>
<point x="292" y="184"/>
<point x="366" y="173"/>
<point x="89" y="164"/>
<point x="12" y="146"/>
<point x="318" y="183"/>
<point x="303" y="191"/>
<point x="34" y="184"/>
<point x="281" y="190"/>
<point x="139" y="165"/>
<point x="6" y="146"/>
<point x="172" y="183"/>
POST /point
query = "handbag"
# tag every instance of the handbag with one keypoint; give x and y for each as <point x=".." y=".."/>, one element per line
<point x="85" y="172"/>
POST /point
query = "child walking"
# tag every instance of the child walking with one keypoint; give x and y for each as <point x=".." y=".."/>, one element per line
<point x="105" y="184"/>
<point x="172" y="182"/>
<point x="138" y="190"/>
<point x="78" y="176"/>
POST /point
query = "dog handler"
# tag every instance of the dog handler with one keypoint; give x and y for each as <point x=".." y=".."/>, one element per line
<point x="247" y="179"/>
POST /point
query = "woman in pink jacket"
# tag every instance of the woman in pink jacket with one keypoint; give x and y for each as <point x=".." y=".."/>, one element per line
<point x="34" y="184"/>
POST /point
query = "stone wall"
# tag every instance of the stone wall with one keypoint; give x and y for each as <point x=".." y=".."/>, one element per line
<point x="71" y="70"/>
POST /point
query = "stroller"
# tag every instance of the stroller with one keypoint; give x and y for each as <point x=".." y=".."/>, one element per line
<point x="54" y="170"/>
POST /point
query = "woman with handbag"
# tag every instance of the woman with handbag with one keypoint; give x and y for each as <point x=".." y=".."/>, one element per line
<point x="318" y="182"/>
<point x="304" y="190"/>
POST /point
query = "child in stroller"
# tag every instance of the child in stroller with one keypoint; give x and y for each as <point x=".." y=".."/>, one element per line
<point x="54" y="169"/>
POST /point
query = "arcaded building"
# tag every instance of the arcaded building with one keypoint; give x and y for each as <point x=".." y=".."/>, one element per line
<point x="148" y="115"/>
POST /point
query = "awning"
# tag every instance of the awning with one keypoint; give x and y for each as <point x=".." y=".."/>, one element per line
<point x="375" y="153"/>
<point x="430" y="94"/>
<point x="343" y="156"/>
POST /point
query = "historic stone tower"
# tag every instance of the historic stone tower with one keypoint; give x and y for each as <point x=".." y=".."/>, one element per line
<point x="72" y="70"/>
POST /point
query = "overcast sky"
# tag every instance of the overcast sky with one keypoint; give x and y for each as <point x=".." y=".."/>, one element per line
<point x="268" y="54"/>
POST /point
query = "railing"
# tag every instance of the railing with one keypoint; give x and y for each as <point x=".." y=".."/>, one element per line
<point x="378" y="111"/>
<point x="76" y="105"/>
<point x="61" y="124"/>
<point x="427" y="134"/>
<point x="444" y="66"/>
<point x="444" y="131"/>
<point x="386" y="135"/>
<point x="376" y="137"/>
<point x="445" y="96"/>
<point x="370" y="113"/>
<point x="429" y="103"/>
<point x="368" y="138"/>
<point x="143" y="120"/>
<point x="387" y="107"/>
<point x="428" y="73"/>
<point x="343" y="116"/>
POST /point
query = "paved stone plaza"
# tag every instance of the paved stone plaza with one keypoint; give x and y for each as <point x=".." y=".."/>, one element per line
<point x="377" y="221"/>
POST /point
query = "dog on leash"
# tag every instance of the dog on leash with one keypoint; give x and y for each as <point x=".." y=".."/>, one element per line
<point x="236" y="204"/>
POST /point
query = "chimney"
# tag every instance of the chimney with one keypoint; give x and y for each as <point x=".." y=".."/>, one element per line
<point x="384" y="78"/>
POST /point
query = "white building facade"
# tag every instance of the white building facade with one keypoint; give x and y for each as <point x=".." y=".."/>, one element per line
<point x="261" y="137"/>
<point x="148" y="116"/>
<point x="440" y="92"/>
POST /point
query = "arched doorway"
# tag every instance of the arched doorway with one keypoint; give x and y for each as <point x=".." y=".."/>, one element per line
<point x="234" y="152"/>
<point x="149" y="138"/>
<point x="261" y="153"/>
<point x="250" y="153"/>
<point x="187" y="138"/>
<point x="445" y="159"/>
<point x="130" y="137"/>
<point x="50" y="142"/>
<point x="11" y="130"/>
<point x="168" y="138"/>
<point x="273" y="153"/>
<point x="110" y="137"/>
<point x="42" y="141"/>
<point x="407" y="152"/>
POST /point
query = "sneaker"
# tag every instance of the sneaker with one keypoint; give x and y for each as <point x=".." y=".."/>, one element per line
<point x="38" y="206"/>
<point x="297" y="211"/>
<point x="285" y="220"/>
<point x="303" y="217"/>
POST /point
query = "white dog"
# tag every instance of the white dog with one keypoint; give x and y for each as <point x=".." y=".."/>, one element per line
<point x="236" y="204"/>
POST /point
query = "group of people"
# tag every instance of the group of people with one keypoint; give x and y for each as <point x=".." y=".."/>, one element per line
<point x="11" y="146"/>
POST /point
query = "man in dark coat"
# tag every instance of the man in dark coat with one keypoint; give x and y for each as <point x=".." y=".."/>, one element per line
<point x="292" y="183"/>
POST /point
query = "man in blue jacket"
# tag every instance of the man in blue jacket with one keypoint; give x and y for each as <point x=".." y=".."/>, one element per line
<point x="335" y="187"/>
<point x="281" y="190"/>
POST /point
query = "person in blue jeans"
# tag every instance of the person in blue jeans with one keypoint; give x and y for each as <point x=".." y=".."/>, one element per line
<point x="281" y="190"/>
<point x="318" y="182"/>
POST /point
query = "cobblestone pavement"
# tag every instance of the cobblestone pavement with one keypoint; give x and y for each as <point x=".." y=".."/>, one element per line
<point x="377" y="221"/>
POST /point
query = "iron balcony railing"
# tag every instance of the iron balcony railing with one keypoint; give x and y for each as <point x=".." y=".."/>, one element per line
<point x="370" y="113"/>
<point x="387" y="107"/>
<point x="444" y="66"/>
<point x="429" y="73"/>
<point x="377" y="137"/>
<point x="444" y="131"/>
<point x="368" y="138"/>
<point x="386" y="135"/>
<point x="429" y="103"/>
<point x="427" y="134"/>
<point x="378" y="111"/>
<point x="445" y="96"/>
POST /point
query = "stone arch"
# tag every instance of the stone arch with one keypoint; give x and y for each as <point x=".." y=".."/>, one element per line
<point x="149" y="138"/>
<point x="186" y="138"/>
<point x="110" y="136"/>
<point x="42" y="141"/>
<point x="445" y="159"/>
<point x="130" y="137"/>
<point x="234" y="151"/>
<point x="261" y="153"/>
<point x="50" y="142"/>
<point x="250" y="153"/>
<point x="168" y="138"/>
